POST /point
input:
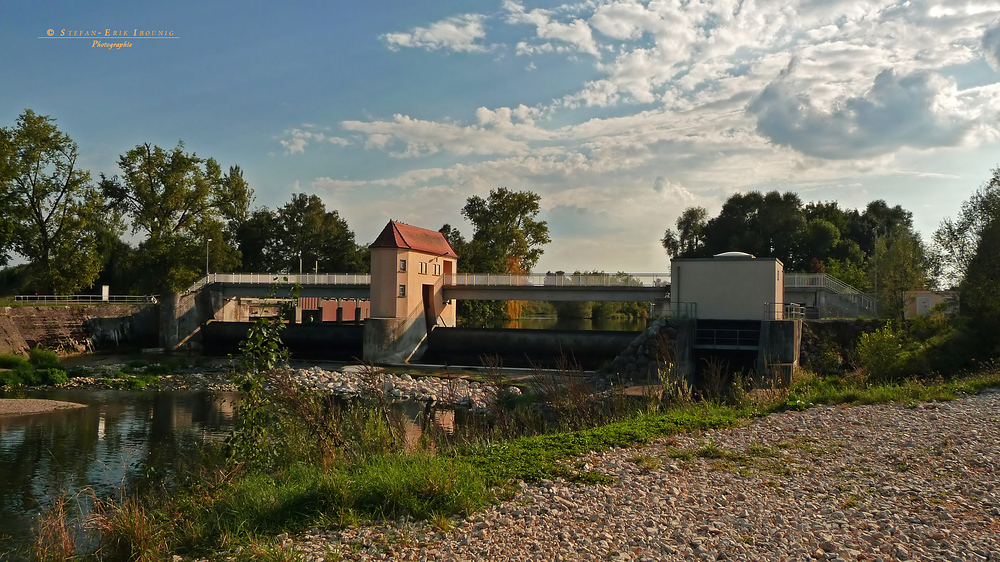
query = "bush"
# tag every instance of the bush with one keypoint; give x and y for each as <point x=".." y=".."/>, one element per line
<point x="43" y="358"/>
<point x="880" y="354"/>
<point x="11" y="361"/>
<point x="52" y="376"/>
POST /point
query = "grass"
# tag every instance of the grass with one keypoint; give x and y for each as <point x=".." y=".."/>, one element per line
<point x="240" y="511"/>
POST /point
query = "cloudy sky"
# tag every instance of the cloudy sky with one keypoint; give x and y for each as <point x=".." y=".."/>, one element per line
<point x="620" y="114"/>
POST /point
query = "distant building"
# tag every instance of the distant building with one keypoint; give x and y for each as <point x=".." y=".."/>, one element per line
<point x="921" y="303"/>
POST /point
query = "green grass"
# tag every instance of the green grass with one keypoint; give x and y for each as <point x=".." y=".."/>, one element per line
<point x="242" y="513"/>
<point x="533" y="458"/>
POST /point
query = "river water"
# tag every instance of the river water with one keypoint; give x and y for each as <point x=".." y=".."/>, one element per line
<point x="119" y="439"/>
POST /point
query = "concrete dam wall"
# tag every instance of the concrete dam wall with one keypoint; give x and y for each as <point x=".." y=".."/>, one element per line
<point x="77" y="328"/>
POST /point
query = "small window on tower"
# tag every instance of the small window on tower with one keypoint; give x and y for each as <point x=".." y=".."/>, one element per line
<point x="402" y="291"/>
<point x="402" y="265"/>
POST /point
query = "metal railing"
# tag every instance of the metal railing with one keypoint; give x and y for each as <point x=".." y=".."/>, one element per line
<point x="819" y="280"/>
<point x="551" y="280"/>
<point x="283" y="279"/>
<point x="784" y="311"/>
<point x="87" y="299"/>
<point x="682" y="310"/>
<point x="740" y="338"/>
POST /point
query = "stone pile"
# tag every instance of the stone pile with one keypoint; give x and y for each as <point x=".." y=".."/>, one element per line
<point x="640" y="360"/>
<point x="352" y="380"/>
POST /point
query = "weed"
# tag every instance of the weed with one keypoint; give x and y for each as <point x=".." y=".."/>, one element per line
<point x="53" y="539"/>
<point x="646" y="463"/>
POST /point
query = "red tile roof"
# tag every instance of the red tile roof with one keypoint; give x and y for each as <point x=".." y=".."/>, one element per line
<point x="401" y="235"/>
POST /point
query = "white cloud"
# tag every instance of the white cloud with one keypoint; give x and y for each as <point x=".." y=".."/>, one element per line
<point x="457" y="33"/>
<point x="575" y="33"/>
<point x="500" y="131"/>
<point x="296" y="140"/>
<point x="915" y="110"/>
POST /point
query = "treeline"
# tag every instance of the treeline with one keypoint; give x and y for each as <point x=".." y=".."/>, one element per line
<point x="875" y="250"/>
<point x="73" y="231"/>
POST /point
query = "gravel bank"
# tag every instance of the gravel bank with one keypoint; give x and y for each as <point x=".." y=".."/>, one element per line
<point x="26" y="406"/>
<point x="880" y="482"/>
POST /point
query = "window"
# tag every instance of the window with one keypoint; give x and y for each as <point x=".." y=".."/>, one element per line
<point x="437" y="269"/>
<point x="423" y="267"/>
<point x="402" y="291"/>
<point x="402" y="265"/>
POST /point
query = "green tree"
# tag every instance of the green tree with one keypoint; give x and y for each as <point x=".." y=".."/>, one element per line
<point x="507" y="238"/>
<point x="956" y="242"/>
<point x="53" y="211"/>
<point x="689" y="237"/>
<point x="316" y="236"/>
<point x="179" y="202"/>
<point x="901" y="265"/>
<point x="258" y="239"/>
<point x="981" y="286"/>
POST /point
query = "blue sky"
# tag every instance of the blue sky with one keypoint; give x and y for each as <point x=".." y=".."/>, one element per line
<point x="620" y="114"/>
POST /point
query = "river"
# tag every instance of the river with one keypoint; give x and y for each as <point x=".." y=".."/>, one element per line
<point x="118" y="441"/>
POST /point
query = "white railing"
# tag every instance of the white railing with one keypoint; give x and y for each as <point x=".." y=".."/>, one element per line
<point x="551" y="280"/>
<point x="87" y="299"/>
<point x="819" y="280"/>
<point x="283" y="279"/>
<point x="784" y="311"/>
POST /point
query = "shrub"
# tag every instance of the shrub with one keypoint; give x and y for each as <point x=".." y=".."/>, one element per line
<point x="11" y="360"/>
<point x="880" y="353"/>
<point x="52" y="376"/>
<point x="43" y="358"/>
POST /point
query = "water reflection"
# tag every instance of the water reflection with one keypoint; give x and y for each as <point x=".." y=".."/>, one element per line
<point x="556" y="323"/>
<point x="115" y="443"/>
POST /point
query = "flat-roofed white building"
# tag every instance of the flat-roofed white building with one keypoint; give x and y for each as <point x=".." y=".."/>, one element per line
<point x="729" y="286"/>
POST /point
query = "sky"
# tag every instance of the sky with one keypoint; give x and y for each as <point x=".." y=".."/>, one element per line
<point x="618" y="113"/>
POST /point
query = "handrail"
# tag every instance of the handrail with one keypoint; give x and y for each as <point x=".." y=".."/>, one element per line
<point x="283" y="279"/>
<point x="784" y="311"/>
<point x="553" y="280"/>
<point x="87" y="299"/>
<point x="819" y="280"/>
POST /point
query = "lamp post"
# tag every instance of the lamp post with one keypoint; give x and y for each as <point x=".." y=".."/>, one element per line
<point x="207" y="240"/>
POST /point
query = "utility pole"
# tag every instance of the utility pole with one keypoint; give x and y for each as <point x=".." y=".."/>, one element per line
<point x="207" y="240"/>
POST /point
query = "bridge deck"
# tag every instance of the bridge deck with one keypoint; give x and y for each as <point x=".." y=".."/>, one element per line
<point x="623" y="287"/>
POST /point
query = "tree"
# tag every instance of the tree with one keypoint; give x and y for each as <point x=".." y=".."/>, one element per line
<point x="53" y="211"/>
<point x="314" y="235"/>
<point x="258" y="240"/>
<point x="689" y="238"/>
<point x="901" y="265"/>
<point x="956" y="242"/>
<point x="182" y="204"/>
<point x="507" y="238"/>
<point x="981" y="286"/>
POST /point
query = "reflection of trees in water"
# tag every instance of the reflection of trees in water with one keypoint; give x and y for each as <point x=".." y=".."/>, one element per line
<point x="121" y="441"/>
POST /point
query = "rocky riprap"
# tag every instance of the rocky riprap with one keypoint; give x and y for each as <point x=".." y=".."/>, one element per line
<point x="639" y="362"/>
<point x="443" y="392"/>
<point x="885" y="482"/>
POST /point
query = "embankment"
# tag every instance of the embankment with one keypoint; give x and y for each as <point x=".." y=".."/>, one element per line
<point x="77" y="328"/>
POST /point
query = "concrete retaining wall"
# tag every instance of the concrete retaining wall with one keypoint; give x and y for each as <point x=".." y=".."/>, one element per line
<point x="78" y="328"/>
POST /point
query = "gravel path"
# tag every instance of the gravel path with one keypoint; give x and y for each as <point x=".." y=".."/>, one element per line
<point x="880" y="482"/>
